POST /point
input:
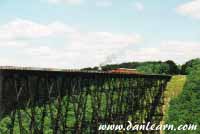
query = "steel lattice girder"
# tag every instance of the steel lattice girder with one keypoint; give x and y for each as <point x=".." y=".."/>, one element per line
<point x="124" y="95"/>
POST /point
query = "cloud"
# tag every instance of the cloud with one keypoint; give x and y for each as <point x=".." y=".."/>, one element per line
<point x="191" y="8"/>
<point x="139" y="6"/>
<point x="68" y="2"/>
<point x="24" y="29"/>
<point x="57" y="44"/>
<point x="179" y="51"/>
<point x="13" y="43"/>
<point x="22" y="43"/>
<point x="104" y="3"/>
<point x="99" y="3"/>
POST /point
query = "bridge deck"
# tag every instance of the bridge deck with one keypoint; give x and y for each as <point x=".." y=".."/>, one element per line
<point x="12" y="69"/>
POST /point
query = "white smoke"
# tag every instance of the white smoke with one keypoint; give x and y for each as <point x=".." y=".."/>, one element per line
<point x="109" y="59"/>
<point x="113" y="57"/>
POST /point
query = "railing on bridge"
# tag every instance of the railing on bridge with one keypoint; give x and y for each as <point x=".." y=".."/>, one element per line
<point x="37" y="101"/>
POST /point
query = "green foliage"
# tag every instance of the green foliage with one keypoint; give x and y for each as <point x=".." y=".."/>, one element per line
<point x="190" y="65"/>
<point x="158" y="68"/>
<point x="150" y="67"/>
<point x="173" y="89"/>
<point x="185" y="108"/>
<point x="173" y="68"/>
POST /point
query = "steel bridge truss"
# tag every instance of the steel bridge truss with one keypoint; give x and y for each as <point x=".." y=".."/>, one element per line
<point x="45" y="102"/>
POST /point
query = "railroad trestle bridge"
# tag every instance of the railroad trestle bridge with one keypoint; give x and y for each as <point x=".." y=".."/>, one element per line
<point x="44" y="101"/>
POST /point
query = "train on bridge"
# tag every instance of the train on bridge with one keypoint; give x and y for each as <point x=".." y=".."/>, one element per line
<point x="124" y="70"/>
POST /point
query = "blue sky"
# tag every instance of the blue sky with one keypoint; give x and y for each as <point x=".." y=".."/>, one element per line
<point x="81" y="33"/>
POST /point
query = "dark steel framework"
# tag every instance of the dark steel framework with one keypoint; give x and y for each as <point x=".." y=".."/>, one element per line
<point x="75" y="102"/>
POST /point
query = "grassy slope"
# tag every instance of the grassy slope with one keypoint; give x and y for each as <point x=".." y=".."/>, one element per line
<point x="174" y="88"/>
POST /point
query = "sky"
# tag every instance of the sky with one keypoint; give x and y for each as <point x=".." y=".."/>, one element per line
<point x="82" y="33"/>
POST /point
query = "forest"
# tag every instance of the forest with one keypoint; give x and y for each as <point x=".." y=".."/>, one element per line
<point x="183" y="109"/>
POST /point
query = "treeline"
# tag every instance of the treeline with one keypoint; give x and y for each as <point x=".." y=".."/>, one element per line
<point x="158" y="67"/>
<point x="189" y="66"/>
<point x="185" y="109"/>
<point x="150" y="67"/>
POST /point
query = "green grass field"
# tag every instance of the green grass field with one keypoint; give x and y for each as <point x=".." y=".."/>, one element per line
<point x="173" y="90"/>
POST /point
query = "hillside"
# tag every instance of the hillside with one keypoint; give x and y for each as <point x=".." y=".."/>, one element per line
<point x="184" y="109"/>
<point x="173" y="90"/>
